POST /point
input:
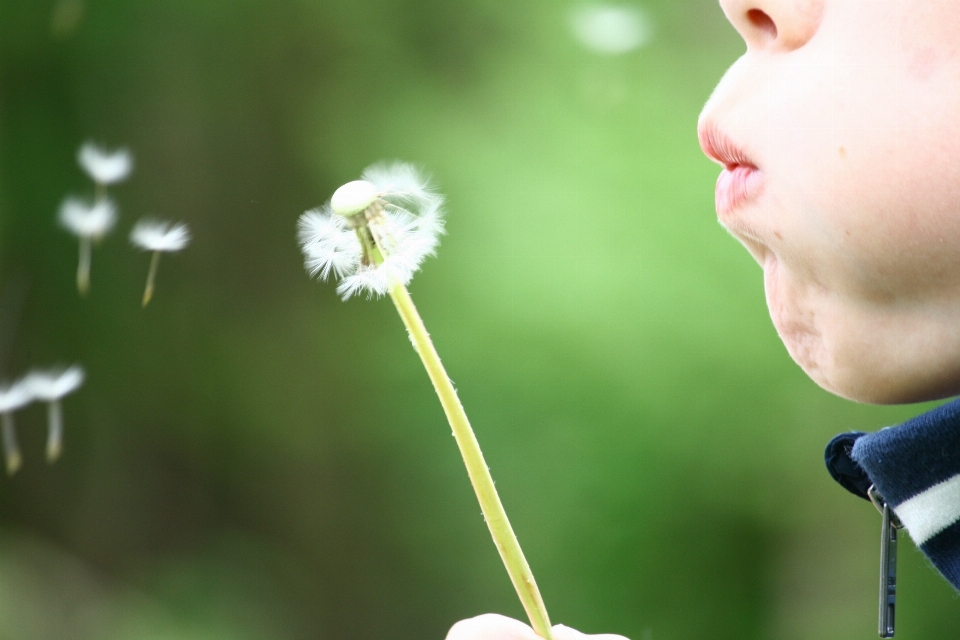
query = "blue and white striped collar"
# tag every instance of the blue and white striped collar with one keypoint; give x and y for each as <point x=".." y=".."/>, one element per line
<point x="916" y="468"/>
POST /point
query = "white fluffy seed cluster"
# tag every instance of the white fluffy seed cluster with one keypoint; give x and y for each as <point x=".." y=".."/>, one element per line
<point x="91" y="220"/>
<point x="53" y="384"/>
<point x="105" y="167"/>
<point x="88" y="219"/>
<point x="14" y="396"/>
<point x="156" y="235"/>
<point x="48" y="386"/>
<point x="94" y="219"/>
<point x="406" y="230"/>
<point x="45" y="386"/>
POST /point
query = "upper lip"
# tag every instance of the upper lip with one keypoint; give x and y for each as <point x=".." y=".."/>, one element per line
<point x="720" y="148"/>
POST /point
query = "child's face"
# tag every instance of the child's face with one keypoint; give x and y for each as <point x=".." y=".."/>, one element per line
<point x="840" y="132"/>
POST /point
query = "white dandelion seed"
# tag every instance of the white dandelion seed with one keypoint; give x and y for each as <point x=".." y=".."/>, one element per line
<point x="611" y="29"/>
<point x="158" y="237"/>
<point x="50" y="386"/>
<point x="374" y="232"/>
<point x="328" y="244"/>
<point x="90" y="222"/>
<point x="105" y="167"/>
<point x="12" y="397"/>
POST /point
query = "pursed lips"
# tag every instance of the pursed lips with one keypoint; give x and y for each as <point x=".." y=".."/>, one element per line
<point x="740" y="181"/>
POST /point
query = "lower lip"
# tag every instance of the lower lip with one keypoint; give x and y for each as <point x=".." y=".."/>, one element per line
<point x="737" y="185"/>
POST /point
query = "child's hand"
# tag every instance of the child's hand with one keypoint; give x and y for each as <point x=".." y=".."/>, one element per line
<point x="491" y="626"/>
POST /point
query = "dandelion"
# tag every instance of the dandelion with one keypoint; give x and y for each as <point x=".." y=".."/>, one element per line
<point x="373" y="232"/>
<point x="50" y="387"/>
<point x="12" y="397"/>
<point x="89" y="222"/>
<point x="105" y="167"/>
<point x="373" y="235"/>
<point x="156" y="236"/>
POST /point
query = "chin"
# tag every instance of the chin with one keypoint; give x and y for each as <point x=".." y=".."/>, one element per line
<point x="862" y="382"/>
<point x="866" y="353"/>
<point x="859" y="383"/>
<point x="863" y="364"/>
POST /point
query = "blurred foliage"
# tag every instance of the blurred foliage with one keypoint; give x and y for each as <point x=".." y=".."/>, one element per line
<point x="252" y="458"/>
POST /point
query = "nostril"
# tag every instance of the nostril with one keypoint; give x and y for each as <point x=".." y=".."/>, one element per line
<point x="763" y="22"/>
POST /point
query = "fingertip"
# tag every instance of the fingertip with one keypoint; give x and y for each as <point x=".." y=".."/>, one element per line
<point x="563" y="632"/>
<point x="491" y="626"/>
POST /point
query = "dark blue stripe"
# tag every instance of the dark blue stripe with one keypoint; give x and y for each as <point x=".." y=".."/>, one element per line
<point x="907" y="460"/>
<point x="943" y="550"/>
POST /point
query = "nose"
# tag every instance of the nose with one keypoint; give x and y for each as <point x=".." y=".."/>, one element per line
<point x="776" y="25"/>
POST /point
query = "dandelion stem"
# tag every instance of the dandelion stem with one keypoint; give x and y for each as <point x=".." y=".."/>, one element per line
<point x="493" y="511"/>
<point x="83" y="267"/>
<point x="11" y="450"/>
<point x="54" y="430"/>
<point x="100" y="192"/>
<point x="151" y="276"/>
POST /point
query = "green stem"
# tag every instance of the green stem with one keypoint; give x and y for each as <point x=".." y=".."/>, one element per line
<point x="493" y="512"/>
<point x="11" y="450"/>
<point x="54" y="431"/>
<point x="151" y="277"/>
<point x="83" y="266"/>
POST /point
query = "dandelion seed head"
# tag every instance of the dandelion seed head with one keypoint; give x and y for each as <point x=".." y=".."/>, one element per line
<point x="13" y="396"/>
<point x="401" y="213"/>
<point x="88" y="220"/>
<point x="353" y="197"/>
<point x="105" y="167"/>
<point x="53" y="384"/>
<point x="156" y="235"/>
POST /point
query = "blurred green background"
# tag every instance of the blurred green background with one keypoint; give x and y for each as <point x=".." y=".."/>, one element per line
<point x="253" y="458"/>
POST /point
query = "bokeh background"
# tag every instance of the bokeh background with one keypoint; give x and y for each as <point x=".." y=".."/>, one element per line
<point x="253" y="458"/>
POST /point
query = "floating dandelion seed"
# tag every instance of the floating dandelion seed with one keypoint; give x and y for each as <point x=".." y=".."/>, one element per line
<point x="89" y="222"/>
<point x="611" y="29"/>
<point x="156" y="236"/>
<point x="373" y="235"/>
<point x="105" y="167"/>
<point x="12" y="397"/>
<point x="50" y="386"/>
<point x="374" y="232"/>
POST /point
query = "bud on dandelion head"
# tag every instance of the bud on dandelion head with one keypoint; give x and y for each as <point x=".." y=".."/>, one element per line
<point x="353" y="197"/>
<point x="105" y="167"/>
<point x="374" y="232"/>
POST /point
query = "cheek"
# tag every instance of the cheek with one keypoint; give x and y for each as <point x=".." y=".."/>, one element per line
<point x="870" y="185"/>
<point x="885" y="229"/>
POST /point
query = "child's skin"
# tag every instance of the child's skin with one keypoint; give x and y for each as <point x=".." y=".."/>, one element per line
<point x="850" y="110"/>
<point x="495" y="627"/>
<point x="839" y="130"/>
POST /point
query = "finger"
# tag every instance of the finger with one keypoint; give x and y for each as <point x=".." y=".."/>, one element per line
<point x="563" y="632"/>
<point x="491" y="626"/>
